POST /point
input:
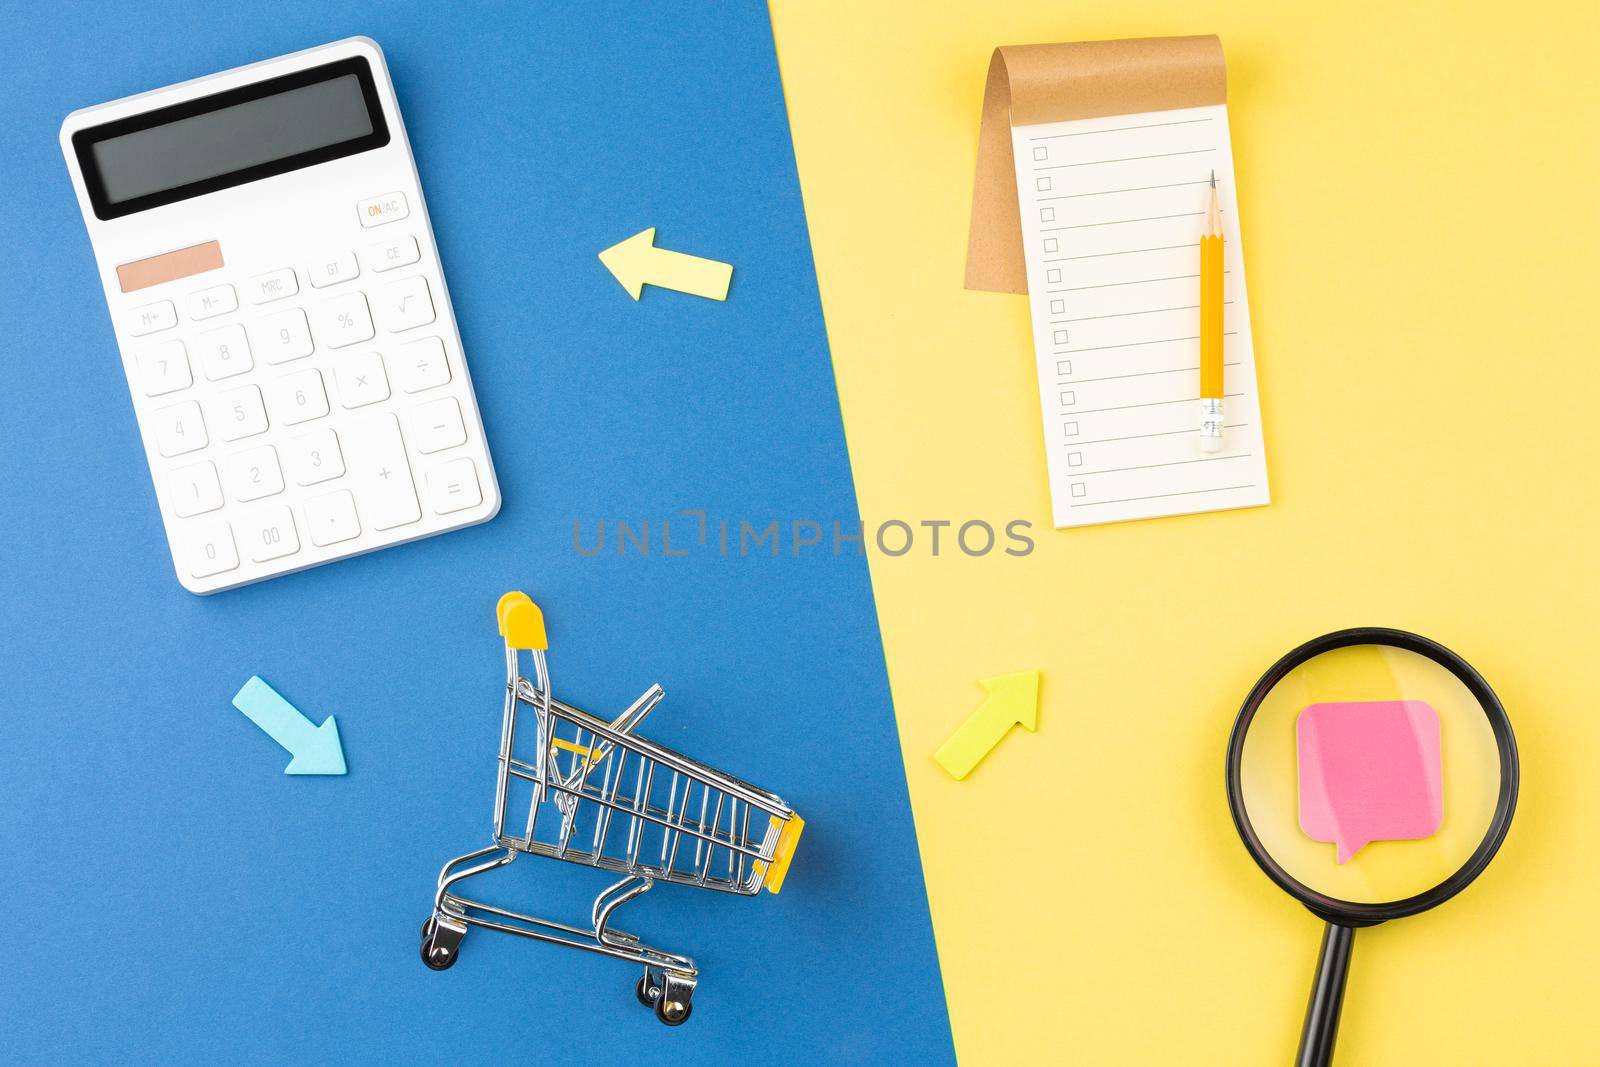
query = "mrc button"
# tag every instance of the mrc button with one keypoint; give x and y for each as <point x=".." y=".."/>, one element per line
<point x="377" y="210"/>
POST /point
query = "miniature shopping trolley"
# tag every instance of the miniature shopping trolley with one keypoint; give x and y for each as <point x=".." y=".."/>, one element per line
<point x="598" y="795"/>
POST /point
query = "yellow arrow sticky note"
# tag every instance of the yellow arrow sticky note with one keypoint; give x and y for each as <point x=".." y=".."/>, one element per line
<point x="1013" y="701"/>
<point x="637" y="262"/>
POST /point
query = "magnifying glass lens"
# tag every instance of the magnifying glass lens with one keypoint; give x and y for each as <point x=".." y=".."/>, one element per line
<point x="1370" y="774"/>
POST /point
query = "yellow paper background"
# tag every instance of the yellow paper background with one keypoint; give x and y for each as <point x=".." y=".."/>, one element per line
<point x="1417" y="191"/>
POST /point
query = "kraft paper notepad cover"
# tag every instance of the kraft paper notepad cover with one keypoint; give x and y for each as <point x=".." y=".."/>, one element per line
<point x="1094" y="164"/>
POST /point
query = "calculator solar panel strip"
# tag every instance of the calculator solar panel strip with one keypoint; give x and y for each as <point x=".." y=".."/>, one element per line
<point x="282" y="315"/>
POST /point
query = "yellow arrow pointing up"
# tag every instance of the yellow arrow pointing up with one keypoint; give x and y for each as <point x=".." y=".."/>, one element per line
<point x="1013" y="700"/>
<point x="637" y="262"/>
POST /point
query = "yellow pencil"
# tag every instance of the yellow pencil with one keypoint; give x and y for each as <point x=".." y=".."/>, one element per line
<point x="1211" y="326"/>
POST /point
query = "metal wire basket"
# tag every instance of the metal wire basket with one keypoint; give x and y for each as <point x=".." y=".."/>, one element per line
<point x="600" y="796"/>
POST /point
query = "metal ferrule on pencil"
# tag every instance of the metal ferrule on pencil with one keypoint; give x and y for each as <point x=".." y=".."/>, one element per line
<point x="1210" y="424"/>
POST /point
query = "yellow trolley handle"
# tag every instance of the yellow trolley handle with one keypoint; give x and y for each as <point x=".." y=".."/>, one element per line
<point x="521" y="622"/>
<point x="788" y="838"/>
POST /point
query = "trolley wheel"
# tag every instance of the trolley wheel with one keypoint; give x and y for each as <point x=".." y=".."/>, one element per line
<point x="441" y="959"/>
<point x="647" y="991"/>
<point x="438" y="957"/>
<point x="673" y="1012"/>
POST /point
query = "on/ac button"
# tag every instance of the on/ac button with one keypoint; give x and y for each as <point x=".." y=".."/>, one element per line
<point x="377" y="210"/>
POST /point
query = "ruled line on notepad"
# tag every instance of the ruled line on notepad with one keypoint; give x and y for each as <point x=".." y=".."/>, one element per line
<point x="1123" y="252"/>
<point x="1070" y="380"/>
<point x="1162" y="496"/>
<point x="1133" y="344"/>
<point x="1122" y="222"/>
<point x="1125" y="314"/>
<point x="1118" y="129"/>
<point x="1125" y="159"/>
<point x="1152" y="466"/>
<point x="1130" y="189"/>
<point x="1146" y="404"/>
<point x="1136" y="281"/>
<point x="1142" y="436"/>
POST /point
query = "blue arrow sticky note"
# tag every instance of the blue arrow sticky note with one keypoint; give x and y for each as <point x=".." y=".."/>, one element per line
<point x="316" y="749"/>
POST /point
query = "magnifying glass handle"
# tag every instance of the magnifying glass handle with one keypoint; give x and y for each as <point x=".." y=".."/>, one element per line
<point x="1327" y="997"/>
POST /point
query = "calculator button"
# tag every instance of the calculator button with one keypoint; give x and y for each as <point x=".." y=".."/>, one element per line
<point x="273" y="285"/>
<point x="239" y="414"/>
<point x="223" y="353"/>
<point x="379" y="473"/>
<point x="313" y="457"/>
<point x="331" y="518"/>
<point x="254" y="474"/>
<point x="180" y="429"/>
<point x="453" y="486"/>
<point x="298" y="397"/>
<point x="151" y="318"/>
<point x="387" y="255"/>
<point x="194" y="490"/>
<point x="269" y="534"/>
<point x="422" y="365"/>
<point x="377" y="210"/>
<point x="281" y="337"/>
<point x="164" y="368"/>
<point x="209" y="549"/>
<point x="344" y="320"/>
<point x="404" y="305"/>
<point x="437" y="425"/>
<point x="332" y="269"/>
<point x="361" y="380"/>
<point x="217" y="300"/>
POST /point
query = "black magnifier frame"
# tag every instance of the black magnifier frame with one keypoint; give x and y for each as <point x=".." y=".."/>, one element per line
<point x="1345" y="917"/>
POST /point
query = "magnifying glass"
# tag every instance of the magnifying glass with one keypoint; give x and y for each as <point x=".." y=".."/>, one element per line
<point x="1372" y="774"/>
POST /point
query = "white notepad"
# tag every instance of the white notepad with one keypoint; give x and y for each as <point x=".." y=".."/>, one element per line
<point x="1112" y="210"/>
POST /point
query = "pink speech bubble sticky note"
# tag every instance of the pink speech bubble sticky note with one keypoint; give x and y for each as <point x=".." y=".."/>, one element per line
<point x="1369" y="771"/>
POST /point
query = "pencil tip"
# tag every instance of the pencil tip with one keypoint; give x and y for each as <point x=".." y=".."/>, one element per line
<point x="1213" y="179"/>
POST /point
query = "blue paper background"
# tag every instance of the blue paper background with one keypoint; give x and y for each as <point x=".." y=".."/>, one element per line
<point x="174" y="897"/>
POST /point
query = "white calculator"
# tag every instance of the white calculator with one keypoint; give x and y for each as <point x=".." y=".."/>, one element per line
<point x="282" y="314"/>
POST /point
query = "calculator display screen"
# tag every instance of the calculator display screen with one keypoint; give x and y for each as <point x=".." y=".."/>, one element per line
<point x="230" y="138"/>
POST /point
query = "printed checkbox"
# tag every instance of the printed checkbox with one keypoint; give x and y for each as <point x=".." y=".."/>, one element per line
<point x="1043" y="185"/>
<point x="1051" y="244"/>
<point x="1078" y="489"/>
<point x="1052" y="275"/>
<point x="1061" y="337"/>
<point x="1047" y="214"/>
<point x="1068" y="398"/>
<point x="1041" y="153"/>
<point x="1057" y="306"/>
<point x="1063" y="367"/>
<point x="1070" y="429"/>
<point x="1074" y="459"/>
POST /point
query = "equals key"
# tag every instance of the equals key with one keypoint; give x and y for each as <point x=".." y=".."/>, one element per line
<point x="453" y="486"/>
